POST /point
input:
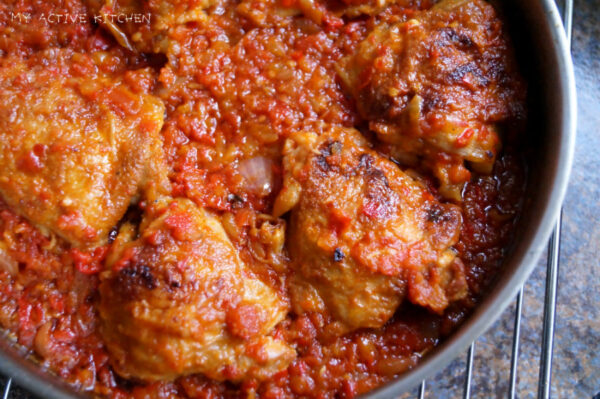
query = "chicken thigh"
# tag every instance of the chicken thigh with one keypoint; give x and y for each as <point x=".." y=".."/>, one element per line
<point x="439" y="82"/>
<point x="363" y="234"/>
<point x="178" y="300"/>
<point x="75" y="143"/>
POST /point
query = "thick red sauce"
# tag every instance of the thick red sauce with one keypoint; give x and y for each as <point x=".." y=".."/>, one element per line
<point x="235" y="87"/>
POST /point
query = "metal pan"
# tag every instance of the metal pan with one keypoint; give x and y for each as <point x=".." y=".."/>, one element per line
<point x="544" y="57"/>
<point x="543" y="52"/>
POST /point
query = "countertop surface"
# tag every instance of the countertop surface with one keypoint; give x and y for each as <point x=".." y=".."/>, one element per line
<point x="576" y="366"/>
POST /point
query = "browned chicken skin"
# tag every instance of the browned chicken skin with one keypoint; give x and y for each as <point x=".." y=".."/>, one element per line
<point x="438" y="83"/>
<point x="179" y="301"/>
<point x="69" y="163"/>
<point x="363" y="233"/>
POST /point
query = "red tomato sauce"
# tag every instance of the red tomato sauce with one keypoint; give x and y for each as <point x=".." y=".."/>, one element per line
<point x="234" y="89"/>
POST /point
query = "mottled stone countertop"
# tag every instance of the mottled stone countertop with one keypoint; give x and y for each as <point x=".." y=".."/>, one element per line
<point x="576" y="367"/>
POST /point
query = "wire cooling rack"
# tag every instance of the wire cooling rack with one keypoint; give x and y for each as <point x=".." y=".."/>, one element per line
<point x="545" y="376"/>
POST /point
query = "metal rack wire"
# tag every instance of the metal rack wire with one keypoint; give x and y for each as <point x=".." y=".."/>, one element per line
<point x="545" y="376"/>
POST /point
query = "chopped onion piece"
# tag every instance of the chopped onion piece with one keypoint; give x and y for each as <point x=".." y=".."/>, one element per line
<point x="258" y="173"/>
<point x="8" y="263"/>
